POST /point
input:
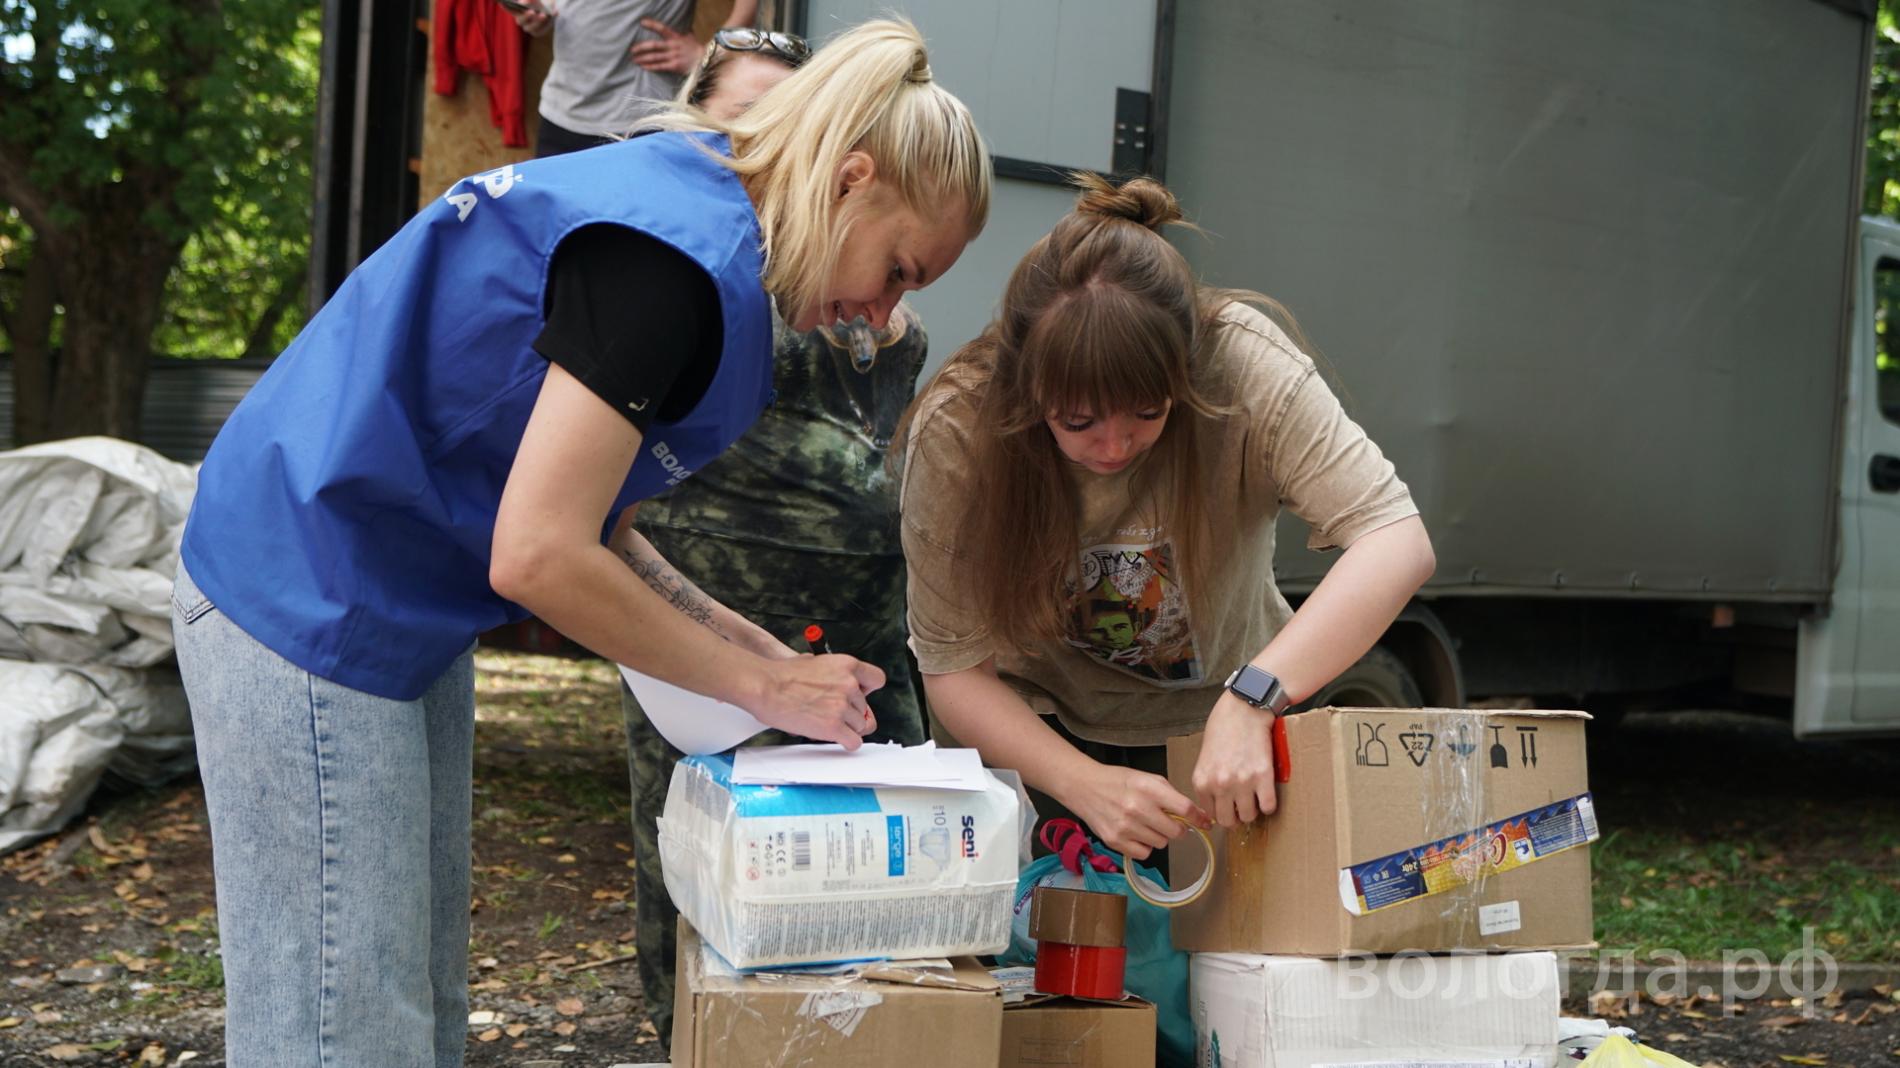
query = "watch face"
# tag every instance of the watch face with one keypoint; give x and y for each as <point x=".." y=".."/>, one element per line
<point x="1252" y="684"/>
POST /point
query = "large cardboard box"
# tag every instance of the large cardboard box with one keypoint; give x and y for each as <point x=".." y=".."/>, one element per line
<point x="1494" y="1011"/>
<point x="1403" y="829"/>
<point x="880" y="1016"/>
<point x="1048" y="1030"/>
<point x="1044" y="1031"/>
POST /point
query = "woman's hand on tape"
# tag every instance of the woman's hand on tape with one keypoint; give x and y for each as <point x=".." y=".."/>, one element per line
<point x="1234" y="776"/>
<point x="1133" y="811"/>
<point x="821" y="697"/>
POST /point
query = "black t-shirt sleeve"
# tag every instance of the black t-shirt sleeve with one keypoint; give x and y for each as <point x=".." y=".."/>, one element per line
<point x="633" y="319"/>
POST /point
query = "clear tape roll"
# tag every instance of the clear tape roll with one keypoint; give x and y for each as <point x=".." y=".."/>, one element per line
<point x="1155" y="894"/>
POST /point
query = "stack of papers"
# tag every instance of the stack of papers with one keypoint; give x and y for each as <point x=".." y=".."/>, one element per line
<point x="871" y="765"/>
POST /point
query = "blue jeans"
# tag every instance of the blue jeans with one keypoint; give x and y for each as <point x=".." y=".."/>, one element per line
<point x="340" y="837"/>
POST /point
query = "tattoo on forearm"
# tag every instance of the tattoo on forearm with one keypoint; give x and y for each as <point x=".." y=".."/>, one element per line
<point x="678" y="591"/>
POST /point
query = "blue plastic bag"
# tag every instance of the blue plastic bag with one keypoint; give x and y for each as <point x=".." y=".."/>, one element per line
<point x="1157" y="972"/>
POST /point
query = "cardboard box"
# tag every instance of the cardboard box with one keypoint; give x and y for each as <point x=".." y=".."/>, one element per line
<point x="1297" y="1012"/>
<point x="1403" y="829"/>
<point x="802" y="874"/>
<point x="882" y="1015"/>
<point x="1046" y="1030"/>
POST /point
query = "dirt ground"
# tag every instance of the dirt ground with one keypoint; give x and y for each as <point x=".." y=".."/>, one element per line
<point x="108" y="932"/>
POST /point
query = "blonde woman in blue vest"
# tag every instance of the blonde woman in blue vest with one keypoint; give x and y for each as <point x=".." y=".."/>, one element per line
<point x="444" y="448"/>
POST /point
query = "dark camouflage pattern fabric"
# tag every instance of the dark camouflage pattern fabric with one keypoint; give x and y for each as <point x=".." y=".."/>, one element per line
<point x="796" y="524"/>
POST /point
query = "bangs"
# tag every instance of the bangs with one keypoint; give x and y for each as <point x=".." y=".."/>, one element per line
<point x="1099" y="351"/>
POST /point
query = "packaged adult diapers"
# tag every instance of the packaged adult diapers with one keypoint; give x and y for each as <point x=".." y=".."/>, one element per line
<point x="805" y="874"/>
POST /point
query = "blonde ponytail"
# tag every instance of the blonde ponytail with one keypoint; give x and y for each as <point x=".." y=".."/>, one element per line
<point x="868" y="89"/>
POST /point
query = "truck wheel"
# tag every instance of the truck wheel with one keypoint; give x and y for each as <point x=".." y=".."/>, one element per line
<point x="1379" y="680"/>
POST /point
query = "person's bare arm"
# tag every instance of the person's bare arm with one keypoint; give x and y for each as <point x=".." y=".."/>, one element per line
<point x="1345" y="615"/>
<point x="687" y="598"/>
<point x="548" y="558"/>
<point x="744" y="13"/>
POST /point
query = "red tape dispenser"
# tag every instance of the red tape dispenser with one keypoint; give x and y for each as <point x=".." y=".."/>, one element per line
<point x="1079" y="942"/>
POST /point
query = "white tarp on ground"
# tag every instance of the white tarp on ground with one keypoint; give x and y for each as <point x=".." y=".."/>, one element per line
<point x="89" y="532"/>
<point x="63" y="726"/>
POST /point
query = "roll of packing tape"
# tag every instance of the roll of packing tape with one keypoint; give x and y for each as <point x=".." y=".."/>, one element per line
<point x="1081" y="971"/>
<point x="1155" y="894"/>
<point x="1077" y="917"/>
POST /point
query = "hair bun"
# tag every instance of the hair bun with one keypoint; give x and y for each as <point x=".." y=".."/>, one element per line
<point x="1139" y="200"/>
<point x="919" y="68"/>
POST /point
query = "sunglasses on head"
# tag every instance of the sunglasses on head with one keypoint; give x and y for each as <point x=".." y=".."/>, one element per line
<point x="786" y="46"/>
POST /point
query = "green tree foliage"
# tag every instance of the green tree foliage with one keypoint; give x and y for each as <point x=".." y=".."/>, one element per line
<point x="1883" y="152"/>
<point x="147" y="148"/>
<point x="238" y="289"/>
<point x="1883" y="118"/>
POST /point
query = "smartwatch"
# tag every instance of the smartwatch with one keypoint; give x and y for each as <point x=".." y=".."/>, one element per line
<point x="1259" y="689"/>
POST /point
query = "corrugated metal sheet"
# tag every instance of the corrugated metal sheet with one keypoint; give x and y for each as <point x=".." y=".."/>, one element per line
<point x="186" y="402"/>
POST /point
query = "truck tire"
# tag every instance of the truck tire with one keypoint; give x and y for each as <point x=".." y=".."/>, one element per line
<point x="1379" y="680"/>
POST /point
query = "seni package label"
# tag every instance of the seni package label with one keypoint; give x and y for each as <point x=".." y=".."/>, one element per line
<point x="804" y="874"/>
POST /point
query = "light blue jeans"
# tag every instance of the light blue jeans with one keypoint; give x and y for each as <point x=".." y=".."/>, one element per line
<point x="340" y="837"/>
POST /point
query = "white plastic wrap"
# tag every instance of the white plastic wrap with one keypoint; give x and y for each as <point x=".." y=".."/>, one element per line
<point x="63" y="727"/>
<point x="89" y="532"/>
<point x="779" y="875"/>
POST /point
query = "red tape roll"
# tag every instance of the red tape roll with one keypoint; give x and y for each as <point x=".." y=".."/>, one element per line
<point x="1081" y="971"/>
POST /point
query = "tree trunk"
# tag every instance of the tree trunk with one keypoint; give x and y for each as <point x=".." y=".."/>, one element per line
<point x="261" y="341"/>
<point x="30" y="328"/>
<point x="112" y="304"/>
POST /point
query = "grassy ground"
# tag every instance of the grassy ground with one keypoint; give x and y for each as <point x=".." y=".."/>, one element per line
<point x="551" y="967"/>
<point x="1658" y="889"/>
<point x="1722" y="833"/>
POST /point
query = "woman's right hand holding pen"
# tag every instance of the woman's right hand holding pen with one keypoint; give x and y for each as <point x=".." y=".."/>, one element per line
<point x="819" y="697"/>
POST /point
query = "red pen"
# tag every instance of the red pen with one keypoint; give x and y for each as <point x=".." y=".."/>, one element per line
<point x="815" y="640"/>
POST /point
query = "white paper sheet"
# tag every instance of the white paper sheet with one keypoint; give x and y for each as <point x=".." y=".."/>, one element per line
<point x="694" y="723"/>
<point x="872" y="765"/>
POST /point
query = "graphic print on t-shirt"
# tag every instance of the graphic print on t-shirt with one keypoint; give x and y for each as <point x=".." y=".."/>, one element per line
<point x="1129" y="611"/>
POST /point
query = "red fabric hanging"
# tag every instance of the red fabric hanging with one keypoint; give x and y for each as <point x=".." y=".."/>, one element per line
<point x="481" y="36"/>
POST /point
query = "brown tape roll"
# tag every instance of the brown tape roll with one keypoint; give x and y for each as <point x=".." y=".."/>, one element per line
<point x="1077" y="917"/>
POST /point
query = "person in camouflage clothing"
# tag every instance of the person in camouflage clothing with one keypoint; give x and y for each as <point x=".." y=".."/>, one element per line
<point x="796" y="524"/>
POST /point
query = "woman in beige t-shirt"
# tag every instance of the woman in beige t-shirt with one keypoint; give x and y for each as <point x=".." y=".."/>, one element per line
<point x="1088" y="509"/>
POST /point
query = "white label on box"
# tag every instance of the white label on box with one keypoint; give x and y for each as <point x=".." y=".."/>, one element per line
<point x="842" y="1009"/>
<point x="1501" y="918"/>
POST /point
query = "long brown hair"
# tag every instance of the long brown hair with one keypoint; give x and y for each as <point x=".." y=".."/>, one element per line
<point x="1102" y="316"/>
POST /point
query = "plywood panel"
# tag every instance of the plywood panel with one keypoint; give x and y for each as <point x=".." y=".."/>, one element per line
<point x="458" y="139"/>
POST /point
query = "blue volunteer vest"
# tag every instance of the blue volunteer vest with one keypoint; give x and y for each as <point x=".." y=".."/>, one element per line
<point x="344" y="514"/>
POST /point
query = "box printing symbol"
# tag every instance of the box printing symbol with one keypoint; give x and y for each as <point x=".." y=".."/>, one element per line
<point x="1372" y="751"/>
<point x="1417" y="743"/>
<point x="1463" y="746"/>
